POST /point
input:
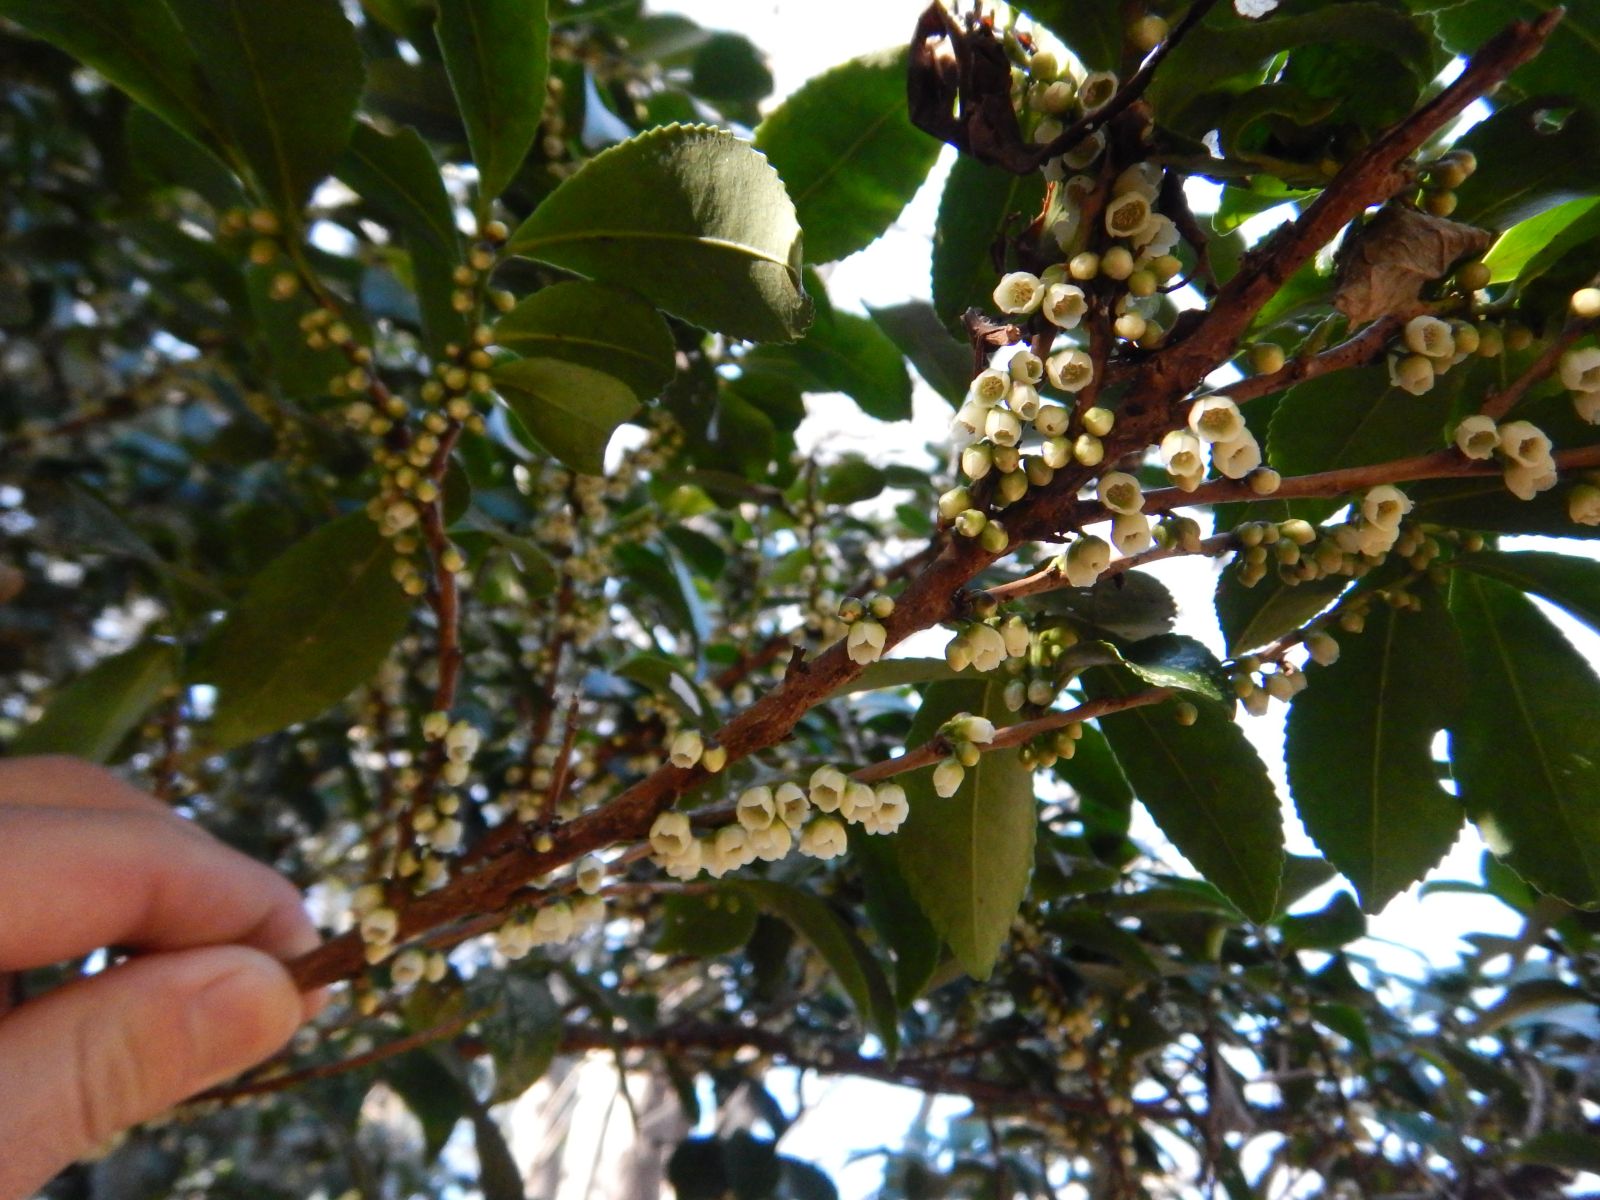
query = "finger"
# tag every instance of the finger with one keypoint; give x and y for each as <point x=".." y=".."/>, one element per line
<point x="73" y="881"/>
<point x="56" y="781"/>
<point x="107" y="1052"/>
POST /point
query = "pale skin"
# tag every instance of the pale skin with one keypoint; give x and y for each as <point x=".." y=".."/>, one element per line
<point x="91" y="862"/>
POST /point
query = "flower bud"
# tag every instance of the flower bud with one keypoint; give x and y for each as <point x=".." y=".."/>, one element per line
<point x="1098" y="421"/>
<point x="1323" y="649"/>
<point x="1084" y="266"/>
<point x="970" y="523"/>
<point x="994" y="538"/>
<point x="1583" y="504"/>
<point x="947" y="777"/>
<point x="1130" y="533"/>
<point x="1018" y="637"/>
<point x="958" y="653"/>
<point x="714" y="757"/>
<point x="1266" y="358"/>
<point x="954" y="502"/>
<point x="1051" y="420"/>
<point x="823" y="838"/>
<point x="1087" y="559"/>
<point x="1088" y="450"/>
<point x="1580" y="369"/>
<point x="976" y="460"/>
<point x="1585" y="303"/>
<point x="1117" y="263"/>
<point x="1264" y="481"/>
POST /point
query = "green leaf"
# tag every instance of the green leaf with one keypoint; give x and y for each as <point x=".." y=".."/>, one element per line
<point x="1355" y="418"/>
<point x="522" y="1029"/>
<point x="719" y="922"/>
<point x="848" y="153"/>
<point x="1164" y="661"/>
<point x="978" y="205"/>
<point x="827" y="933"/>
<point x="284" y="78"/>
<point x="1132" y="605"/>
<point x="300" y="372"/>
<point x="593" y="325"/>
<point x="1104" y="793"/>
<point x="944" y="363"/>
<point x="1339" y="923"/>
<point x="851" y="480"/>
<point x="729" y="68"/>
<point x="895" y="917"/>
<point x="1525" y="748"/>
<point x="396" y="175"/>
<point x="1524" y="1003"/>
<point x="967" y="857"/>
<point x="689" y="217"/>
<point x="314" y="624"/>
<point x="846" y="353"/>
<point x="1255" y="616"/>
<point x="496" y="53"/>
<point x="1566" y="580"/>
<point x="571" y="410"/>
<point x="896" y="672"/>
<point x="1526" y="241"/>
<point x="539" y="575"/>
<point x="1569" y="1151"/>
<point x="1359" y="750"/>
<point x="1206" y="789"/>
<point x="1564" y="66"/>
<point x="90" y="716"/>
<point x="1091" y="29"/>
<point x="433" y="1094"/>
<point x="136" y="44"/>
<point x="1532" y="156"/>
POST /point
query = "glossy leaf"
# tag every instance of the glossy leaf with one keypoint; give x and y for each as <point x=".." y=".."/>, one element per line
<point x="944" y="363"/>
<point x="967" y="857"/>
<point x="432" y="1092"/>
<point x="825" y="931"/>
<point x="1566" y="64"/>
<point x="1566" y="580"/>
<point x="496" y="53"/>
<point x="842" y="352"/>
<point x="314" y="624"/>
<point x="689" y="217"/>
<point x="1337" y="924"/>
<point x="1254" y="616"/>
<point x="978" y="205"/>
<point x="848" y="153"/>
<point x="1359" y="750"/>
<point x="1527" y="240"/>
<point x="1132" y="605"/>
<point x="608" y="329"/>
<point x="1205" y="787"/>
<point x="895" y="917"/>
<point x="1532" y="156"/>
<point x="521" y="1028"/>
<point x="284" y="78"/>
<point x="1164" y="661"/>
<point x="90" y="716"/>
<point x="1525" y="748"/>
<point x="571" y="410"/>
<point x="395" y="174"/>
<point x="717" y="923"/>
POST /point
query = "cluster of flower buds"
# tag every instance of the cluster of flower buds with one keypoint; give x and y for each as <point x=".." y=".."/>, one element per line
<point x="864" y="619"/>
<point x="985" y="645"/>
<point x="411" y="967"/>
<point x="965" y="734"/>
<point x="1580" y="375"/>
<point x="1442" y="176"/>
<point x="1048" y="749"/>
<point x="1522" y="448"/>
<point x="1429" y="346"/>
<point x="550" y="923"/>
<point x="1256" y="686"/>
<point x="689" y="748"/>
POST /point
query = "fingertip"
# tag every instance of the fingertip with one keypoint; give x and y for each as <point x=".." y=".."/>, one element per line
<point x="247" y="1011"/>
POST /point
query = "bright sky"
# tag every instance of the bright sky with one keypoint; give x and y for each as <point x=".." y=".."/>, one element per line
<point x="846" y="1120"/>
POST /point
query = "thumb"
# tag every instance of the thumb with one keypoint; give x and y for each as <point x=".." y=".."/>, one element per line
<point x="104" y="1053"/>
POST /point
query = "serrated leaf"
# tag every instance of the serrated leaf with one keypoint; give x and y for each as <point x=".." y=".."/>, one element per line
<point x="1566" y="580"/>
<point x="688" y="216"/>
<point x="284" y="78"/>
<point x="314" y="624"/>
<point x="848" y="153"/>
<point x="967" y="857"/>
<point x="605" y="328"/>
<point x="496" y="53"/>
<point x="90" y="716"/>
<point x="1164" y="661"/>
<point x="1131" y="605"/>
<point x="718" y="922"/>
<point x="1206" y="789"/>
<point x="944" y="363"/>
<point x="978" y="203"/>
<point x="1359" y="750"/>
<point x="1525" y="748"/>
<point x="1337" y="924"/>
<point x="571" y="410"/>
<point x="857" y="970"/>
<point x="842" y="352"/>
<point x="522" y="1029"/>
<point x="539" y="575"/>
<point x="432" y="1093"/>
<point x="1254" y="616"/>
<point x="395" y="173"/>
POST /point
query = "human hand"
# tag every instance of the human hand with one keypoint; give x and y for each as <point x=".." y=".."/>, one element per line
<point x="91" y="862"/>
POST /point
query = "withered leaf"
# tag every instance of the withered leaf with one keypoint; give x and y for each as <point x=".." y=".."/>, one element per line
<point x="1384" y="265"/>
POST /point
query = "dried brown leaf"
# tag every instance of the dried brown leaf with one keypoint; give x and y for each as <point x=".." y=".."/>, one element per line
<point x="1384" y="266"/>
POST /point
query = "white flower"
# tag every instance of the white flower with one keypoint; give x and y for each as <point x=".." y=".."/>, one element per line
<point x="591" y="875"/>
<point x="1018" y="637"/>
<point x="380" y="926"/>
<point x="1580" y="369"/>
<point x="859" y="800"/>
<point x="965" y="727"/>
<point x="686" y="865"/>
<point x="772" y="843"/>
<point x="1385" y="505"/>
<point x="686" y="748"/>
<point x="1376" y="540"/>
<point x="1142" y="177"/>
<point x="1002" y="427"/>
<point x="967" y="424"/>
<point x="1159" y="237"/>
<point x="730" y="849"/>
<point x="1215" y="419"/>
<point x="461" y="742"/>
<point x="552" y="923"/>
<point x="1120" y="492"/>
<point x="1525" y="482"/>
<point x="1025" y="367"/>
<point x="1064" y="230"/>
<point x="1019" y="292"/>
<point x="1130" y="532"/>
<point x="1087" y="560"/>
<point x="435" y="725"/>
<point x="1430" y="336"/>
<point x="1180" y="453"/>
<point x="670" y="834"/>
<point x="823" y="838"/>
<point x="892" y="808"/>
<point x="1583" y="504"/>
<point x="792" y="805"/>
<point x="990" y="387"/>
<point x="587" y="911"/>
<point x="1587" y="406"/>
<point x="958" y="652"/>
<point x="1096" y="90"/>
<point x="1477" y="437"/>
<point x="1129" y="215"/>
<point x="1086" y="151"/>
<point x="1414" y="373"/>
<point x="1024" y="400"/>
<point x="827" y="788"/>
<point x="1064" y="305"/>
<point x="408" y="968"/>
<point x="976" y="461"/>
<point x="1524" y="444"/>
<point x="987" y="646"/>
<point x="1070" y="371"/>
<point x="1051" y="420"/>
<point x="756" y="808"/>
<point x="866" y="641"/>
<point x="1047" y="131"/>
<point x="947" y="777"/>
<point x="514" y="939"/>
<point x="1236" y="457"/>
<point x="446" y="836"/>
